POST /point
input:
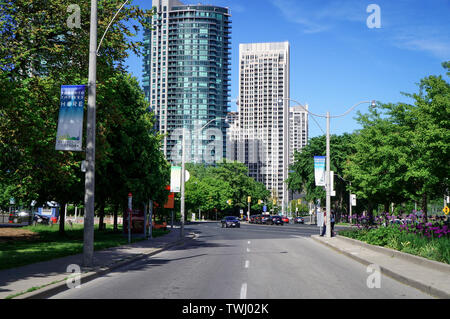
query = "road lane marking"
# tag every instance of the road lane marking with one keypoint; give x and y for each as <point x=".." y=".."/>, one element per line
<point x="248" y="242"/>
<point x="244" y="291"/>
<point x="248" y="250"/>
<point x="247" y="264"/>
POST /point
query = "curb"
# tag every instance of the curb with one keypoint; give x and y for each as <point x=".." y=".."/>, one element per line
<point x="55" y="288"/>
<point x="418" y="260"/>
<point x="394" y="275"/>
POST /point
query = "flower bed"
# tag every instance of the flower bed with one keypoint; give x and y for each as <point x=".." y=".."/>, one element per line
<point x="411" y="235"/>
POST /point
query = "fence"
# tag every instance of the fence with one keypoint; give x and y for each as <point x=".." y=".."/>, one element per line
<point x="4" y="218"/>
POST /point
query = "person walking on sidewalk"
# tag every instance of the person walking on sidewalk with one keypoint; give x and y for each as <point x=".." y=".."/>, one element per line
<point x="332" y="221"/>
<point x="324" y="226"/>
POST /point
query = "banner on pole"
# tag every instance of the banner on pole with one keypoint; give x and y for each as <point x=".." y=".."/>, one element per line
<point x="69" y="136"/>
<point x="319" y="170"/>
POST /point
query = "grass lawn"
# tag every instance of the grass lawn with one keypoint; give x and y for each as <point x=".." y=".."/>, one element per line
<point x="47" y="244"/>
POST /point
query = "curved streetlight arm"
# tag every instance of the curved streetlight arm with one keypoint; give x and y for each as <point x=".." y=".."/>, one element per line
<point x="109" y="25"/>
<point x="335" y="116"/>
<point x="317" y="123"/>
<point x="372" y="103"/>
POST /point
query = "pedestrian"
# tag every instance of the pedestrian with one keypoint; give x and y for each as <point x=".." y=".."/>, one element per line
<point x="324" y="226"/>
<point x="332" y="220"/>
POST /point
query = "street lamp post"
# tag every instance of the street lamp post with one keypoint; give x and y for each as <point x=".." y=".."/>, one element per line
<point x="327" y="173"/>
<point x="88" y="239"/>
<point x="89" y="196"/>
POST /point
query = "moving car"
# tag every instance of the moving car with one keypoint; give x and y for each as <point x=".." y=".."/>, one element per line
<point x="275" y="220"/>
<point x="299" y="220"/>
<point x="231" y="221"/>
<point x="285" y="219"/>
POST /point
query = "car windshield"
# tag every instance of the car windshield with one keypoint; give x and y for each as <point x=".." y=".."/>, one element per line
<point x="230" y="218"/>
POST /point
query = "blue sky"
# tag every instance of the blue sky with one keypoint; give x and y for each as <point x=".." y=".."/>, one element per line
<point x="336" y="60"/>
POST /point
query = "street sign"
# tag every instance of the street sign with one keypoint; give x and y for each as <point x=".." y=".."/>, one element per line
<point x="264" y="208"/>
<point x="249" y="199"/>
<point x="12" y="201"/>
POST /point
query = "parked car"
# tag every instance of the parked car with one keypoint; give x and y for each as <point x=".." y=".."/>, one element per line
<point x="231" y="221"/>
<point x="264" y="219"/>
<point x="299" y="220"/>
<point x="275" y="220"/>
<point x="285" y="219"/>
<point x="252" y="219"/>
<point x="258" y="219"/>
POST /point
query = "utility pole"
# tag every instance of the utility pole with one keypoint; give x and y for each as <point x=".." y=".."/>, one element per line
<point x="88" y="247"/>
<point x="328" y="180"/>
<point x="183" y="178"/>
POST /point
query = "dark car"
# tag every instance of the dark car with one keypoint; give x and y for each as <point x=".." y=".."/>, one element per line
<point x="258" y="219"/>
<point x="252" y="219"/>
<point x="299" y="220"/>
<point x="231" y="221"/>
<point x="264" y="219"/>
<point x="275" y="220"/>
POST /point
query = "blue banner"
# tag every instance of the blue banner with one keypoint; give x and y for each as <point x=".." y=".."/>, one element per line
<point x="69" y="136"/>
<point x="319" y="170"/>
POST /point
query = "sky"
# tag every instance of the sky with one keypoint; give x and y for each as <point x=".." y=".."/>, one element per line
<point x="336" y="60"/>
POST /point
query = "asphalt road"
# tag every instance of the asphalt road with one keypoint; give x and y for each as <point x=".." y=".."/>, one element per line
<point x="253" y="262"/>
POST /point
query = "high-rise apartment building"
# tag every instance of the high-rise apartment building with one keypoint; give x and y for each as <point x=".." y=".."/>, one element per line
<point x="298" y="130"/>
<point x="186" y="76"/>
<point x="232" y="136"/>
<point x="264" y="114"/>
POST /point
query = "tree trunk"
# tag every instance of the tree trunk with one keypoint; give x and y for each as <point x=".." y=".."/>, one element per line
<point x="101" y="224"/>
<point x="116" y="211"/>
<point x="370" y="212"/>
<point x="62" y="219"/>
<point x="386" y="207"/>
<point x="424" y="207"/>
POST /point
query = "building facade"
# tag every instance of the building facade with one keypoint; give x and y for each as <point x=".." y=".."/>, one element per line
<point x="187" y="77"/>
<point x="298" y="130"/>
<point x="264" y="114"/>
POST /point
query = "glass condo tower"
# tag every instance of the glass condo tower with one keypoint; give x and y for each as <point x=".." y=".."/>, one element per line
<point x="187" y="77"/>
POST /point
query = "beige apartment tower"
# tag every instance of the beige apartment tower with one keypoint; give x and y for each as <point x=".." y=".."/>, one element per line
<point x="264" y="114"/>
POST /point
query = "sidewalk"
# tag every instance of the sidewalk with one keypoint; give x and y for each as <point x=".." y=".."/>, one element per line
<point x="53" y="274"/>
<point x="426" y="275"/>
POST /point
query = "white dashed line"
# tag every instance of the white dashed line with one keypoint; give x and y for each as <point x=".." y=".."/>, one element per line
<point x="244" y="291"/>
<point x="248" y="250"/>
<point x="248" y="242"/>
<point x="247" y="264"/>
